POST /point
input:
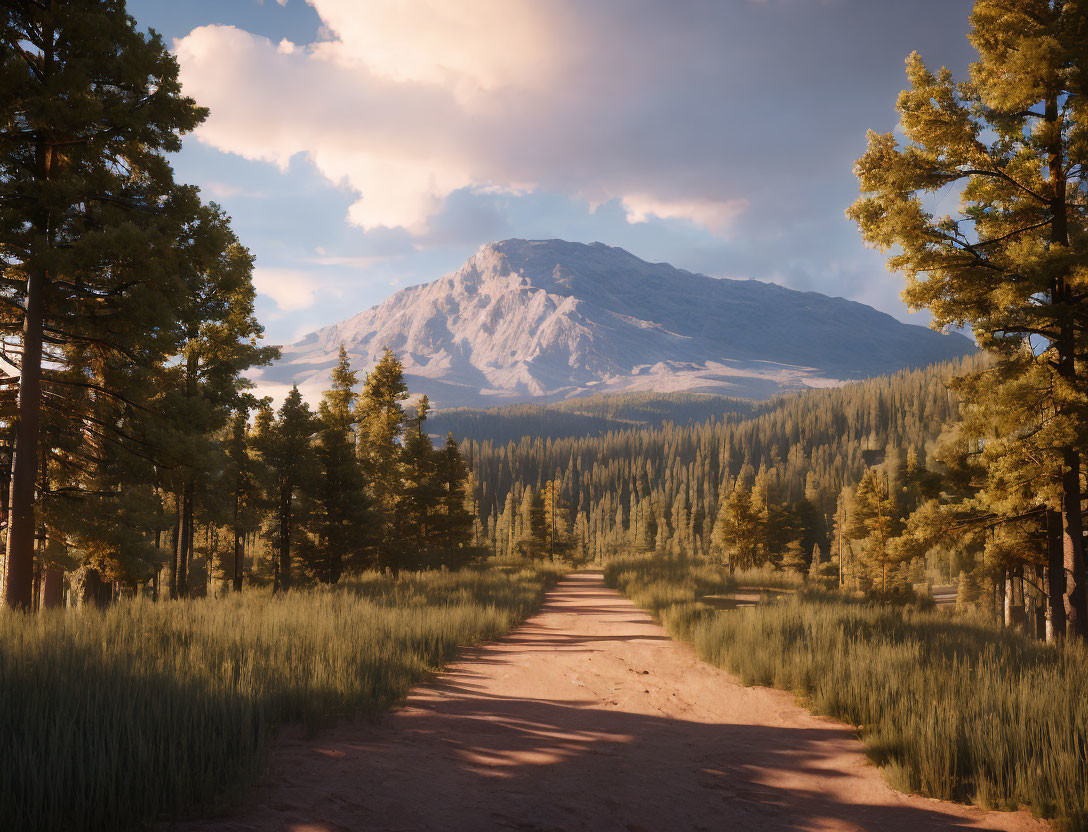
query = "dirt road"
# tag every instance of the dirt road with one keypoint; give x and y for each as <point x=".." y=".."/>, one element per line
<point x="588" y="717"/>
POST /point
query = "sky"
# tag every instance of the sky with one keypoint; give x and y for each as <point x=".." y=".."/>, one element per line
<point x="361" y="146"/>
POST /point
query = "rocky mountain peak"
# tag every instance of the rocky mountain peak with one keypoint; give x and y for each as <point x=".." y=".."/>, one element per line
<point x="526" y="320"/>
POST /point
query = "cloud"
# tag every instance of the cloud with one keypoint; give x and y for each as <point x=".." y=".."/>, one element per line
<point x="714" y="215"/>
<point x="290" y="289"/>
<point x="229" y="190"/>
<point x="719" y="136"/>
<point x="406" y="102"/>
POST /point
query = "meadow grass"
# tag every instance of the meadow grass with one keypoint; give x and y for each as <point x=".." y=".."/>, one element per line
<point x="111" y="719"/>
<point x="953" y="708"/>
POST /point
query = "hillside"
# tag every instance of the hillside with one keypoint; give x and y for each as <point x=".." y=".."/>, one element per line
<point x="810" y="444"/>
<point x="589" y="416"/>
<point x="540" y="321"/>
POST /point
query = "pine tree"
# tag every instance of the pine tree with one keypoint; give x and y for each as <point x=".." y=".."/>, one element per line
<point x="874" y="523"/>
<point x="815" y="566"/>
<point x="419" y="494"/>
<point x="522" y="540"/>
<point x="219" y="334"/>
<point x="538" y="523"/>
<point x="967" y="593"/>
<point x="381" y="423"/>
<point x="738" y="529"/>
<point x="285" y="445"/>
<point x="342" y="520"/>
<point x="88" y="213"/>
<point x="453" y="520"/>
<point x="1008" y="263"/>
<point x="556" y="540"/>
<point x="243" y="479"/>
<point x="793" y="560"/>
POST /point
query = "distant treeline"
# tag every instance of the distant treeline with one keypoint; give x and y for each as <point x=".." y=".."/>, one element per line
<point x="590" y="416"/>
<point x="660" y="488"/>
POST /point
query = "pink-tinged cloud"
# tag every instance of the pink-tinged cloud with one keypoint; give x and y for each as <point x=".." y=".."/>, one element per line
<point x="404" y="102"/>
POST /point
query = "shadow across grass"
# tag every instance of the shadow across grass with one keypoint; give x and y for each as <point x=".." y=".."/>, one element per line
<point x="111" y="719"/>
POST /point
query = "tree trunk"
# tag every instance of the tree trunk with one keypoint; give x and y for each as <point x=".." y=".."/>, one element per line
<point x="94" y="590"/>
<point x="284" y="578"/>
<point x="1055" y="571"/>
<point x="1004" y="591"/>
<point x="155" y="576"/>
<point x="175" y="543"/>
<point x="19" y="563"/>
<point x="190" y="523"/>
<point x="1039" y="603"/>
<point x="238" y="549"/>
<point x="1065" y="345"/>
<point x="1018" y="607"/>
<point x="1073" y="548"/>
<point x="19" y="574"/>
<point x="53" y="588"/>
<point x="185" y="523"/>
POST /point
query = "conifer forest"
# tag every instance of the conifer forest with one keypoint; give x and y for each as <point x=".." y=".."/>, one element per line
<point x="259" y="567"/>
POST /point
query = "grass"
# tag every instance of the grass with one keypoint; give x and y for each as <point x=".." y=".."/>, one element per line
<point x="110" y="720"/>
<point x="953" y="708"/>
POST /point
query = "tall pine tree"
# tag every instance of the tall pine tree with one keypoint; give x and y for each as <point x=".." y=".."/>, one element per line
<point x="88" y="217"/>
<point x="342" y="522"/>
<point x="1013" y="140"/>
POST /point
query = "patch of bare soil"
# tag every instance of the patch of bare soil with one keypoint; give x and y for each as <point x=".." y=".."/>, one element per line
<point x="588" y="717"/>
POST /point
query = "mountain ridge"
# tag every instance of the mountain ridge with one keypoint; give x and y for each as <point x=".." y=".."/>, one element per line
<point x="546" y="320"/>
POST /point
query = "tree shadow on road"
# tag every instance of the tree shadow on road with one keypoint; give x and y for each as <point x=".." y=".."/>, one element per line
<point x="459" y="757"/>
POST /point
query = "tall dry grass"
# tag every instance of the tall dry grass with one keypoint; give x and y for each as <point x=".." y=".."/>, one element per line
<point x="111" y="719"/>
<point x="953" y="708"/>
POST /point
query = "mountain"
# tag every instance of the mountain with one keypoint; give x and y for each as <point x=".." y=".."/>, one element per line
<point x="547" y="320"/>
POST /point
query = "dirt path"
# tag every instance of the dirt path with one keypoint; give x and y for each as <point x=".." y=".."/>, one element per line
<point x="588" y="717"/>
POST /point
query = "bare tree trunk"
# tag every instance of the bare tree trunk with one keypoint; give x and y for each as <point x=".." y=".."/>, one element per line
<point x="238" y="543"/>
<point x="155" y="577"/>
<point x="53" y="588"/>
<point x="1055" y="571"/>
<point x="1004" y="588"/>
<point x="190" y="526"/>
<point x="175" y="555"/>
<point x="1040" y="604"/>
<point x="19" y="574"/>
<point x="1073" y="547"/>
<point x="185" y="522"/>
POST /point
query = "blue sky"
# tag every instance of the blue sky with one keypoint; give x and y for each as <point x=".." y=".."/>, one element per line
<point x="365" y="145"/>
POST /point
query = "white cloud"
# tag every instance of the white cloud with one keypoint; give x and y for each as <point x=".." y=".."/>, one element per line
<point x="714" y="215"/>
<point x="406" y="101"/>
<point x="227" y="190"/>
<point x="290" y="289"/>
<point x="471" y="44"/>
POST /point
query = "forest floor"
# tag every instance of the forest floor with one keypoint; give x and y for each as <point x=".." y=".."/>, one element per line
<point x="587" y="717"/>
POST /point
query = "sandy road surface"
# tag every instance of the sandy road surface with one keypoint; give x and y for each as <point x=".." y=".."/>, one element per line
<point x="588" y="717"/>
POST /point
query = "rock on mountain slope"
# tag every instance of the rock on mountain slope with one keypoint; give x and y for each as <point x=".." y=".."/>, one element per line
<point x="543" y="320"/>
